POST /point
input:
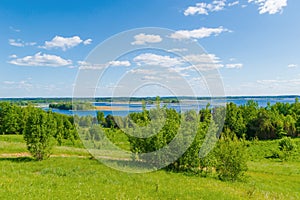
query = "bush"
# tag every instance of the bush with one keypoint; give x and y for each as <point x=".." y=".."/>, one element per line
<point x="231" y="157"/>
<point x="38" y="134"/>
<point x="286" y="147"/>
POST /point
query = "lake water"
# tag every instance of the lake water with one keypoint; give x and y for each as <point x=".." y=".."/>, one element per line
<point x="183" y="106"/>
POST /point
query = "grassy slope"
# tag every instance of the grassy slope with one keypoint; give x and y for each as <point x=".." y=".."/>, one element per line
<point x="83" y="178"/>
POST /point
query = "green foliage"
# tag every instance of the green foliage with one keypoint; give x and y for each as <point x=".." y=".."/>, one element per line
<point x="11" y="121"/>
<point x="71" y="177"/>
<point x="38" y="134"/>
<point x="72" y="106"/>
<point x="287" y="147"/>
<point x="231" y="157"/>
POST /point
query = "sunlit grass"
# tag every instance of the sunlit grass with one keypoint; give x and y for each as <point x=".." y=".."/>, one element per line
<point x="78" y="177"/>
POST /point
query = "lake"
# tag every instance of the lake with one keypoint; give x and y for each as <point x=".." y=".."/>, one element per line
<point x="123" y="109"/>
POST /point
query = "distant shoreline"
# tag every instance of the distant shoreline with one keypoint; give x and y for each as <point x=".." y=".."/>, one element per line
<point x="137" y="99"/>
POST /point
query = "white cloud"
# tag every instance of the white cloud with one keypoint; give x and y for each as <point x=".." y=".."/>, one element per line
<point x="233" y="3"/>
<point x="207" y="66"/>
<point x="87" y="42"/>
<point x="13" y="56"/>
<point x="8" y="82"/>
<point x="202" y="58"/>
<point x="15" y="43"/>
<point x="65" y="42"/>
<point x="202" y="62"/>
<point x="20" y="43"/>
<point x="151" y="78"/>
<point x="270" y="6"/>
<point x="143" y="71"/>
<point x="234" y="66"/>
<point x="178" y="50"/>
<point x="142" y="39"/>
<point x="157" y="60"/>
<point x="117" y="63"/>
<point x="204" y="8"/>
<point x="86" y="65"/>
<point x="292" y="65"/>
<point x="198" y="33"/>
<point x="40" y="59"/>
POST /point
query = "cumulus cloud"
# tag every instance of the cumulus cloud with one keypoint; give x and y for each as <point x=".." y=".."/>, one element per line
<point x="203" y="62"/>
<point x="269" y="6"/>
<point x="157" y="60"/>
<point x="198" y="33"/>
<point x="142" y="39"/>
<point x="234" y="66"/>
<point x="20" y="43"/>
<point x="204" y="8"/>
<point x="42" y="60"/>
<point x="65" y="42"/>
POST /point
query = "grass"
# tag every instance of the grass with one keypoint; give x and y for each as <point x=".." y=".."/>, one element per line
<point x="84" y="178"/>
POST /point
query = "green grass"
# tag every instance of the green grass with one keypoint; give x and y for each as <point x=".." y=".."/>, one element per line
<point x="85" y="178"/>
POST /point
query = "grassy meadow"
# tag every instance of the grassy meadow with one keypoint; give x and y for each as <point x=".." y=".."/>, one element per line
<point x="72" y="174"/>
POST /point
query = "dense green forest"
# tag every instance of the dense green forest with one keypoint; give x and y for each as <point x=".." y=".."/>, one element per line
<point x="246" y="122"/>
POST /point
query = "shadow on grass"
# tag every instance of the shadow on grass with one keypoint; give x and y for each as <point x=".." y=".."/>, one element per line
<point x="18" y="159"/>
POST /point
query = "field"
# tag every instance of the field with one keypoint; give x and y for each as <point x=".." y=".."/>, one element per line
<point x="72" y="174"/>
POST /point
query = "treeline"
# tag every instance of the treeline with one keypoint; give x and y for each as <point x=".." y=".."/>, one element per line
<point x="17" y="120"/>
<point x="270" y="122"/>
<point x="249" y="120"/>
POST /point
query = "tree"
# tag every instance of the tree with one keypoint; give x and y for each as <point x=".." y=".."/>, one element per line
<point x="10" y="119"/>
<point x="39" y="131"/>
<point x="234" y="120"/>
<point x="231" y="157"/>
<point x="101" y="118"/>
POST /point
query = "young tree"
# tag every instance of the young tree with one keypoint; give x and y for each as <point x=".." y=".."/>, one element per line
<point x="231" y="157"/>
<point x="39" y="131"/>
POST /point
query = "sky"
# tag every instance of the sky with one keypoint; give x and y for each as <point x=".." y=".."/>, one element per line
<point x="53" y="48"/>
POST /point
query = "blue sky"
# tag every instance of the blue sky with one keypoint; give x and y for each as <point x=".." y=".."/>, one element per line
<point x="253" y="45"/>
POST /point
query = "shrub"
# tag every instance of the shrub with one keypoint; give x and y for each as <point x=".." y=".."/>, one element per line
<point x="38" y="134"/>
<point x="231" y="157"/>
<point x="287" y="147"/>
